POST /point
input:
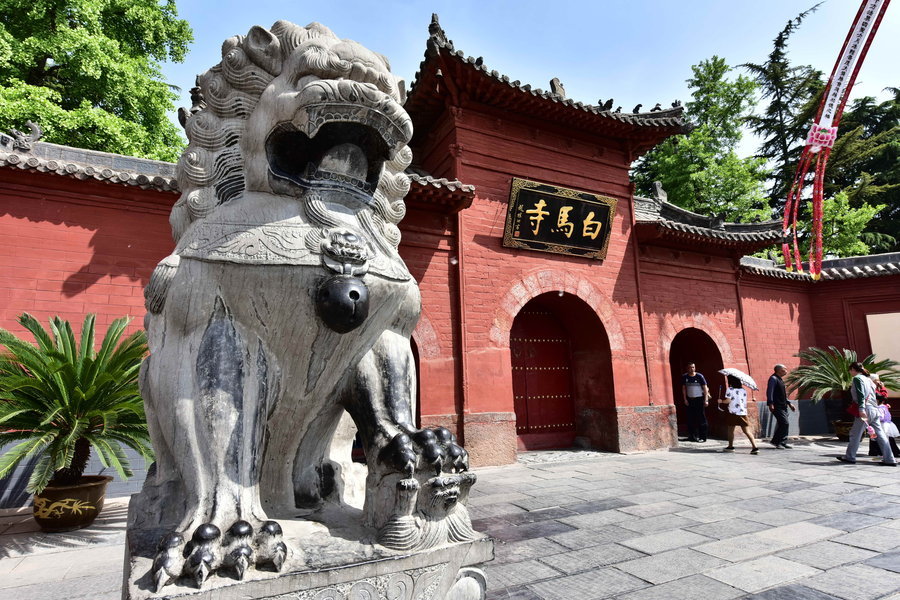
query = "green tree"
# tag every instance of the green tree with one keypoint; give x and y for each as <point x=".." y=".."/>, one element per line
<point x="843" y="226"/>
<point x="88" y="72"/>
<point x="701" y="171"/>
<point x="865" y="163"/>
<point x="791" y="96"/>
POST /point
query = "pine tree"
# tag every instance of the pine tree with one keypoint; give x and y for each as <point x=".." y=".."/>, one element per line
<point x="791" y="95"/>
<point x="862" y="176"/>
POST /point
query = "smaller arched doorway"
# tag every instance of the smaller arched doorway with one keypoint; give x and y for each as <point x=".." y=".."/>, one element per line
<point x="693" y="345"/>
<point x="562" y="375"/>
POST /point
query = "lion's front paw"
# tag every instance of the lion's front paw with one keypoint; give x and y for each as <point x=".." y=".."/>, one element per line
<point x="210" y="551"/>
<point x="433" y="449"/>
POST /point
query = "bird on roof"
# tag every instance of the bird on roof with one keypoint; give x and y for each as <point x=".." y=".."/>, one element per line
<point x="637" y="108"/>
<point x="656" y="108"/>
<point x="607" y="105"/>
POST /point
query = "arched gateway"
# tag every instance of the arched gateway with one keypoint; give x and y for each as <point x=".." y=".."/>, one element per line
<point x="694" y="345"/>
<point x="562" y="375"/>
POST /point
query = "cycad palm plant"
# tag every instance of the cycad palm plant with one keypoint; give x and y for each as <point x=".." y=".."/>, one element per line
<point x="59" y="398"/>
<point x="828" y="372"/>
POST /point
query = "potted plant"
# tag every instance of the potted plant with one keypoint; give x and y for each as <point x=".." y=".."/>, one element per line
<point x="826" y="375"/>
<point x="59" y="399"/>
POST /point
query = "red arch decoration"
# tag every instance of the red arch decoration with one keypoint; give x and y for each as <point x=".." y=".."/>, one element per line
<point x="676" y="324"/>
<point x="543" y="281"/>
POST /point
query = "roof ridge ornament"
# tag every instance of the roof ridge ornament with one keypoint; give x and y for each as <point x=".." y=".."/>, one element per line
<point x="717" y="221"/>
<point x="658" y="192"/>
<point x="557" y="88"/>
<point x="23" y="141"/>
<point x="435" y="31"/>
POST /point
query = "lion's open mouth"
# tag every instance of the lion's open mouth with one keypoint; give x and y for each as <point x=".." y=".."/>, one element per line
<point x="340" y="154"/>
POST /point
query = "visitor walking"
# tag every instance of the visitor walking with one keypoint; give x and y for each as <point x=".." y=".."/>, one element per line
<point x="695" y="392"/>
<point x="778" y="403"/>
<point x="862" y="390"/>
<point x="736" y="399"/>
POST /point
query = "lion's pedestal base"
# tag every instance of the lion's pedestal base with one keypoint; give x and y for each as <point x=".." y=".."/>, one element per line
<point x="443" y="573"/>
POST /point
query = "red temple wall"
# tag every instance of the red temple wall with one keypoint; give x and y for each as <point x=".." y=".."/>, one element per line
<point x="489" y="150"/>
<point x="76" y="247"/>
<point x="779" y="323"/>
<point x="839" y="310"/>
<point x="427" y="246"/>
<point x="73" y="247"/>
<point x="682" y="290"/>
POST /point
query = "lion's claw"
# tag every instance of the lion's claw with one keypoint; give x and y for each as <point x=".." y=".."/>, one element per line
<point x="200" y="553"/>
<point x="168" y="563"/>
<point x="239" y="553"/>
<point x="270" y="548"/>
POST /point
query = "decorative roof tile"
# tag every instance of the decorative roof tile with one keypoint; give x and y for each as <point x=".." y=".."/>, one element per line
<point x="834" y="269"/>
<point x="417" y="175"/>
<point x="658" y="218"/>
<point x="88" y="164"/>
<point x="83" y="164"/>
<point x="768" y="268"/>
<point x="671" y="120"/>
<point x="441" y="191"/>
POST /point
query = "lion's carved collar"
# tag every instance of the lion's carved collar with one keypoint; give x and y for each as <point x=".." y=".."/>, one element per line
<point x="291" y="241"/>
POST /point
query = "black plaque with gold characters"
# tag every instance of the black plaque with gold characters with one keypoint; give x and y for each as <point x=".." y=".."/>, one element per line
<point x="547" y="218"/>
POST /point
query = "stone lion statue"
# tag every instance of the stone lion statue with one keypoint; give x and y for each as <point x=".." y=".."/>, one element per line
<point x="285" y="306"/>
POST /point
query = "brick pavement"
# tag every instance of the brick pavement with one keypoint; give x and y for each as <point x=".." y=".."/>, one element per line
<point x="690" y="523"/>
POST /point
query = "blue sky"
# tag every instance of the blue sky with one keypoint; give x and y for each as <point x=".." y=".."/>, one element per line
<point x="637" y="51"/>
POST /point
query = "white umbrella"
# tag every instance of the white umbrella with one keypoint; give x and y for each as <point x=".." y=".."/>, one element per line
<point x="745" y="379"/>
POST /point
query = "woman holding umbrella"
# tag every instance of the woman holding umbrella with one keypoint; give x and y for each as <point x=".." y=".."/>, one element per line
<point x="736" y="398"/>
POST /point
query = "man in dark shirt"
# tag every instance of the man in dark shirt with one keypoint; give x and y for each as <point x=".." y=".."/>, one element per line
<point x="777" y="400"/>
<point x="696" y="397"/>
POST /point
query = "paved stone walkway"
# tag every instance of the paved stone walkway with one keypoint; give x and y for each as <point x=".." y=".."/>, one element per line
<point x="692" y="523"/>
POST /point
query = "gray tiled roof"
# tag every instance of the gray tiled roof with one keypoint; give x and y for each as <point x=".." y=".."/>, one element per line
<point x="419" y="176"/>
<point x="853" y="267"/>
<point x="667" y="217"/>
<point x="437" y="41"/>
<point x="78" y="163"/>
<point x="89" y="164"/>
<point x="449" y="194"/>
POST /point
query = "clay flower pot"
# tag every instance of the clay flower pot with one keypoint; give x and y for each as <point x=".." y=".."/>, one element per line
<point x="70" y="507"/>
<point x="842" y="429"/>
